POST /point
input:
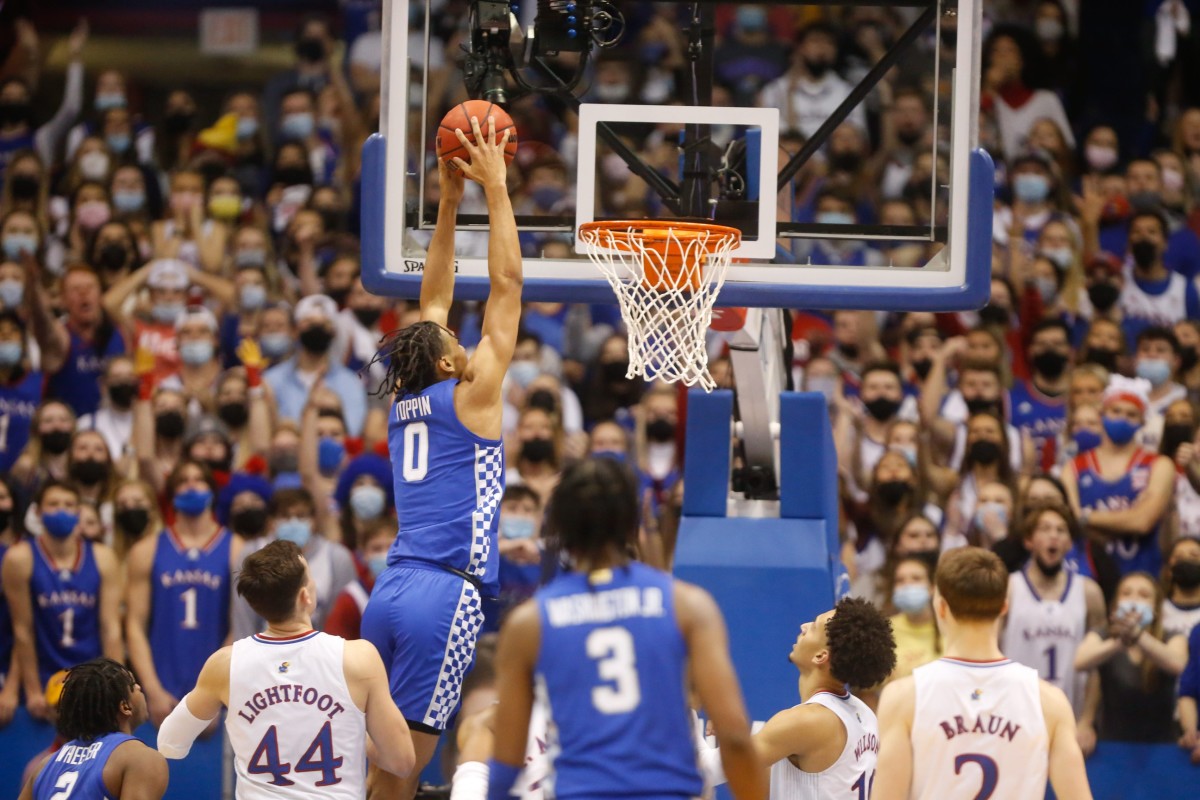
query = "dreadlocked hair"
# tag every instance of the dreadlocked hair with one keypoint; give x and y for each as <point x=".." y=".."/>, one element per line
<point x="594" y="507"/>
<point x="91" y="699"/>
<point x="410" y="359"/>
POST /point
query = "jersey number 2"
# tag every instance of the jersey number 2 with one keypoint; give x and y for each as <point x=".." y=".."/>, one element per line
<point x="612" y="650"/>
<point x="416" y="451"/>
<point x="991" y="773"/>
<point x="65" y="785"/>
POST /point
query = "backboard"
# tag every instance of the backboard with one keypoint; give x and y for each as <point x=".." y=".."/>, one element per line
<point x="688" y="111"/>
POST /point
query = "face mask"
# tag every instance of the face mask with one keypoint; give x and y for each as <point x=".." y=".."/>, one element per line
<point x="310" y="49"/>
<point x="196" y="354"/>
<point x="17" y="245"/>
<point x="1086" y="440"/>
<point x="132" y="521"/>
<point x="284" y="461"/>
<point x="1145" y="201"/>
<point x="112" y="256"/>
<point x="376" y="565"/>
<point x="25" y="187"/>
<point x="367" y="317"/>
<point x="128" y="201"/>
<point x="1047" y="289"/>
<point x="1119" y="429"/>
<point x="615" y="455"/>
<point x="338" y="296"/>
<point x="882" y="408"/>
<point x="848" y="161"/>
<point x="817" y="67"/>
<point x="912" y="598"/>
<point x="252" y="297"/>
<point x="330" y="453"/>
<point x="226" y="207"/>
<point x="247" y="127"/>
<point x="1061" y="257"/>
<point x="178" y="121"/>
<point x="1050" y="363"/>
<point x="1173" y="436"/>
<point x="167" y="313"/>
<point x="543" y="399"/>
<point x="60" y="524"/>
<point x="249" y="522"/>
<point x="297" y="126"/>
<point x="93" y="214"/>
<point x="1048" y="30"/>
<point x="250" y="259"/>
<point x="109" y="100"/>
<point x="89" y="472"/>
<point x="1030" y="187"/>
<point x="994" y="316"/>
<point x="56" y="442"/>
<point x="1188" y="357"/>
<point x="1186" y="574"/>
<point x="979" y="405"/>
<point x="297" y="531"/>
<point x="516" y="527"/>
<point x="660" y="430"/>
<point x="892" y="492"/>
<point x="1145" y="253"/>
<point x="922" y="367"/>
<point x="14" y="113"/>
<point x="10" y="354"/>
<point x="1172" y="180"/>
<point x="985" y="452"/>
<point x="523" y="372"/>
<point x="537" y="451"/>
<point x="824" y="384"/>
<point x="367" y="502"/>
<point x="1100" y="157"/>
<point x="293" y="176"/>
<point x="193" y="502"/>
<point x="118" y="142"/>
<point x="1143" y="610"/>
<point x="275" y="345"/>
<point x="1155" y="370"/>
<point x="612" y="92"/>
<point x="909" y="451"/>
<point x="5" y="518"/>
<point x="835" y="218"/>
<point x="94" y="165"/>
<point x="547" y="197"/>
<point x="1102" y="357"/>
<point x="234" y="415"/>
<point x="849" y="350"/>
<point x="169" y="425"/>
<point x="998" y="510"/>
<point x="121" y="395"/>
<point x="316" y="340"/>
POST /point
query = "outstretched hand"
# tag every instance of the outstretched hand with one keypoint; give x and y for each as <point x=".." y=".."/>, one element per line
<point x="450" y="182"/>
<point x="487" y="166"/>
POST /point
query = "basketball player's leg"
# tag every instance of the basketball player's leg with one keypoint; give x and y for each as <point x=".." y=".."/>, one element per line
<point x="424" y="624"/>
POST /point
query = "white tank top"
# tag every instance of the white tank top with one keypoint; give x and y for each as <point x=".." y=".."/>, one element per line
<point x="294" y="729"/>
<point x="1161" y="309"/>
<point x="852" y="774"/>
<point x="1044" y="634"/>
<point x="978" y="731"/>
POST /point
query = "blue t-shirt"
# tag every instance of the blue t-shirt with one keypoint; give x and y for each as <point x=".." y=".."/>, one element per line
<point x="6" y="631"/>
<point x="1039" y="415"/>
<point x="77" y="383"/>
<point x="66" y="610"/>
<point x="19" y="401"/>
<point x="77" y="769"/>
<point x="1132" y="553"/>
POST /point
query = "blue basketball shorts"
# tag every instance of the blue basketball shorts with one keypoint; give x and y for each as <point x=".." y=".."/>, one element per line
<point x="424" y="622"/>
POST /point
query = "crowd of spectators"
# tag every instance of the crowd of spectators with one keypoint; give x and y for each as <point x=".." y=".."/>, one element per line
<point x="186" y="345"/>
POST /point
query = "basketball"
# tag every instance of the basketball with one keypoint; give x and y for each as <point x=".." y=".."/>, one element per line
<point x="459" y="117"/>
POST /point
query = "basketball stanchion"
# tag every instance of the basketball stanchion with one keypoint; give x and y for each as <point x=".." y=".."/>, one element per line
<point x="667" y="276"/>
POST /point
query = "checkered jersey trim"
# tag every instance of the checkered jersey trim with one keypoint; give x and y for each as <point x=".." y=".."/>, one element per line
<point x="460" y="650"/>
<point x="489" y="488"/>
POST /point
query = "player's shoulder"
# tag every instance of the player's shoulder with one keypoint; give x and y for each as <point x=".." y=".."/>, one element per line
<point x="133" y="759"/>
<point x="898" y="698"/>
<point x="1055" y="705"/>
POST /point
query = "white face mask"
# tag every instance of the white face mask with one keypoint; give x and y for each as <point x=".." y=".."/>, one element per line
<point x="612" y="92"/>
<point x="93" y="165"/>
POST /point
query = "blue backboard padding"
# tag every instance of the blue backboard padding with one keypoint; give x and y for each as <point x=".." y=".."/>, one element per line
<point x="768" y="576"/>
<point x="706" y="457"/>
<point x="972" y="293"/>
<point x="808" y="462"/>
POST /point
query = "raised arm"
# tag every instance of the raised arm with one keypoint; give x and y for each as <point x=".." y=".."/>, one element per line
<point x="50" y="135"/>
<point x="114" y="299"/>
<point x="437" y="282"/>
<point x="896" y="707"/>
<point x="111" y="639"/>
<point x="50" y="334"/>
<point x="137" y="620"/>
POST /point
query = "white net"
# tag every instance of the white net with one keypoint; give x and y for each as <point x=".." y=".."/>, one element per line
<point x="666" y="280"/>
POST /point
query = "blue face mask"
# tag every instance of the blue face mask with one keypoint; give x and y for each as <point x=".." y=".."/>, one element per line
<point x="997" y="509"/>
<point x="297" y="126"/>
<point x="1144" y="611"/>
<point x="330" y="453"/>
<point x="252" y="296"/>
<point x="167" y="313"/>
<point x="616" y="455"/>
<point x="835" y="218"/>
<point x="377" y="564"/>
<point x="60" y="524"/>
<point x="1155" y="370"/>
<point x="1086" y="440"/>
<point x="524" y="372"/>
<point x="1119" y="429"/>
<point x="297" y="531"/>
<point x="193" y="502"/>
<point x="12" y="292"/>
<point x="247" y="127"/>
<point x="1030" y="188"/>
<point x="547" y="197"/>
<point x="516" y="527"/>
<point x="367" y="502"/>
<point x="275" y="345"/>
<point x="128" y="201"/>
<point x="18" y="244"/>
<point x="197" y="353"/>
<point x="250" y="258"/>
<point x="912" y="598"/>
<point x="118" y="142"/>
<point x="1047" y="289"/>
<point x="824" y="384"/>
<point x="10" y="354"/>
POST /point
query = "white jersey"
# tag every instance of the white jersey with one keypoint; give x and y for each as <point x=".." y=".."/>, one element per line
<point x="294" y="729"/>
<point x="1044" y="634"/>
<point x="978" y="731"/>
<point x="854" y="771"/>
<point x="1158" y="309"/>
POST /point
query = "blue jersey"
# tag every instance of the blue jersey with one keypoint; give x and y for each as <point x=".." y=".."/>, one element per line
<point x="66" y="610"/>
<point x="77" y="383"/>
<point x="1040" y="416"/>
<point x="189" y="607"/>
<point x="613" y="663"/>
<point x="1132" y="553"/>
<point x="18" y="402"/>
<point x="448" y="486"/>
<point x="77" y="769"/>
<point x="6" y="631"/>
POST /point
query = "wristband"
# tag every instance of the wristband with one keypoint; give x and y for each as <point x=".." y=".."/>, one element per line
<point x="146" y="386"/>
<point x="253" y="377"/>
<point x="501" y="778"/>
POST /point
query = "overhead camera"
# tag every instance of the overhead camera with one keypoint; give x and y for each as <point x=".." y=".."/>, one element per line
<point x="489" y="56"/>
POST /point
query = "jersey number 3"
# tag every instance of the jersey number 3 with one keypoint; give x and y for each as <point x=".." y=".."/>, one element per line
<point x="416" y="451"/>
<point x="612" y="650"/>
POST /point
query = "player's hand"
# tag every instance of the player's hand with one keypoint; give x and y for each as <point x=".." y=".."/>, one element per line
<point x="1085" y="734"/>
<point x="161" y="705"/>
<point x="8" y="706"/>
<point x="487" y="166"/>
<point x="36" y="705"/>
<point x="450" y="183"/>
<point x="1185" y="454"/>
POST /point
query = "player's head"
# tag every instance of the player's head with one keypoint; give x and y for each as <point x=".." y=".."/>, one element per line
<point x="419" y="356"/>
<point x="276" y="583"/>
<point x="853" y="642"/>
<point x="99" y="697"/>
<point x="971" y="586"/>
<point x="594" y="508"/>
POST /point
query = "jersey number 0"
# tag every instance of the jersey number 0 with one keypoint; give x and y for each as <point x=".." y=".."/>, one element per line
<point x="416" y="451"/>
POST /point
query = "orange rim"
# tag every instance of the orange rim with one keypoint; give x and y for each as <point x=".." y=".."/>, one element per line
<point x="674" y="267"/>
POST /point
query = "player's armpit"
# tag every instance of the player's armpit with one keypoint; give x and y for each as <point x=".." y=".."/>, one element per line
<point x="1068" y="776"/>
<point x="811" y="732"/>
<point x="516" y="653"/>
<point x="894" y="765"/>
<point x="393" y="744"/>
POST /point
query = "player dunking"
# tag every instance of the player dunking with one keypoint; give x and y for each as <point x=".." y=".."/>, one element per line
<point x="444" y="438"/>
<point x="611" y="643"/>
<point x="300" y="702"/>
<point x="973" y="723"/>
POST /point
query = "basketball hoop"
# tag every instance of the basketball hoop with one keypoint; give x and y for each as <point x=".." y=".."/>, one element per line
<point x="666" y="276"/>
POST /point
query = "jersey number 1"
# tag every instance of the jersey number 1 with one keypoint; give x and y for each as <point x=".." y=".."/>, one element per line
<point x="416" y="451"/>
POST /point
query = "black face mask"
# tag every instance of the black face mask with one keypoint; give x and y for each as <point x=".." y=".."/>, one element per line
<point x="338" y="295"/>
<point x="660" y="430"/>
<point x="216" y="465"/>
<point x="985" y="452"/>
<point x="614" y="371"/>
<point x="234" y="415"/>
<point x="112" y="257"/>
<point x="89" y="472"/>
<point x="850" y="351"/>
<point x="817" y="67"/>
<point x="283" y="462"/>
<point x="177" y="122"/>
<point x="922" y="367"/>
<point x="908" y="138"/>
<point x="316" y="340"/>
<point x="249" y="522"/>
<point x="543" y="399"/>
<point x="24" y="187"/>
<point x="1050" y="363"/>
<point x="169" y="425"/>
<point x="121" y="395"/>
<point x="1186" y="574"/>
<point x="537" y="451"/>
<point x="1103" y="296"/>
<point x="979" y="405"/>
<point x="994" y="316"/>
<point x="56" y="442"/>
<point x="1049" y="570"/>
<point x="132" y="521"/>
<point x="5" y="518"/>
<point x="949" y="36"/>
<point x="367" y="317"/>
<point x="310" y="49"/>
<point x="333" y="219"/>
<point x="1173" y="436"/>
<point x="882" y="408"/>
<point x="892" y="492"/>
<point x="14" y="113"/>
<point x="293" y="176"/>
<point x="1188" y="358"/>
<point x="1102" y="357"/>
<point x="845" y="162"/>
<point x="1144" y="253"/>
